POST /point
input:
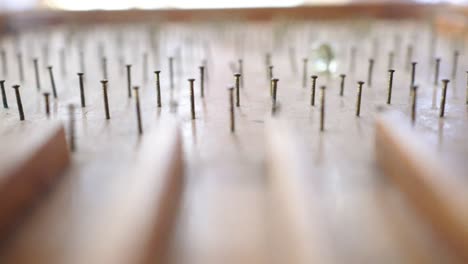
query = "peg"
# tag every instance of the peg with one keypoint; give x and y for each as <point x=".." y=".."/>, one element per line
<point x="275" y="89"/>
<point x="390" y="85"/>
<point x="129" y="80"/>
<point x="36" y="71"/>
<point x="369" y="72"/>
<point x="456" y="54"/>
<point x="241" y="72"/>
<point x="413" y="74"/>
<point x="312" y="96"/>
<point x="432" y="43"/>
<point x="52" y="81"/>
<point x="4" y="97"/>
<point x="171" y="72"/>
<point x="18" y="102"/>
<point x="202" y="81"/>
<point x="267" y="65"/>
<point x="205" y="65"/>
<point x="268" y="59"/>
<point x="413" y="104"/>
<point x="47" y="103"/>
<point x="444" y="96"/>
<point x="138" y="111"/>
<point x="304" y="75"/>
<point x="237" y="81"/>
<point x="231" y="108"/>
<point x="358" y="102"/>
<point x="82" y="92"/>
<point x="322" y="108"/>
<point x="270" y="72"/>
<point x="158" y="89"/>
<point x="71" y="127"/>
<point x="106" y="100"/>
<point x="436" y="73"/>
<point x="342" y="83"/>
<point x="192" y="99"/>
<point x="19" y="57"/>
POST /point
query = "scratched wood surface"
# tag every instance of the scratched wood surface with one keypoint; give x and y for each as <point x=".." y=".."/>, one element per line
<point x="229" y="212"/>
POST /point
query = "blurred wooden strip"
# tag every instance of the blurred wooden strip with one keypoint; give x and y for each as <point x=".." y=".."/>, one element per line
<point x="391" y="10"/>
<point x="433" y="189"/>
<point x="451" y="23"/>
<point x="29" y="162"/>
<point x="287" y="166"/>
<point x="136" y="223"/>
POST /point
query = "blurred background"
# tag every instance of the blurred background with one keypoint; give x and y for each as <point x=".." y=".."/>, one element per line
<point x="18" y="5"/>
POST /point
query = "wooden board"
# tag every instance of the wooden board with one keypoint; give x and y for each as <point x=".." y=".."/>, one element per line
<point x="299" y="222"/>
<point x="382" y="10"/>
<point x="32" y="158"/>
<point x="433" y="188"/>
<point x="228" y="212"/>
<point x="136" y="220"/>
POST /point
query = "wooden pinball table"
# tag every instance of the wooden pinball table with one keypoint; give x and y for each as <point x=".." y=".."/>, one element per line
<point x="272" y="180"/>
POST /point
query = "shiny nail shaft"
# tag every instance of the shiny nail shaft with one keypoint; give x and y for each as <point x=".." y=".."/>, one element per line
<point x="129" y="80"/>
<point x="192" y="99"/>
<point x="36" y="72"/>
<point x="158" y="89"/>
<point x="52" y="81"/>
<point x="322" y="109"/>
<point x="444" y="97"/>
<point x="358" y="101"/>
<point x="237" y="81"/>
<point x="106" y="100"/>
<point x="138" y="111"/>
<point x="342" y="83"/>
<point x="312" y="94"/>
<point x="82" y="91"/>
<point x="18" y="102"/>
<point x="4" y="97"/>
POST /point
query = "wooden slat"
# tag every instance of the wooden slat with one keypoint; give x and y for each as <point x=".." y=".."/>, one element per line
<point x="451" y="23"/>
<point x="28" y="19"/>
<point x="135" y="224"/>
<point x="30" y="161"/>
<point x="432" y="188"/>
<point x="303" y="240"/>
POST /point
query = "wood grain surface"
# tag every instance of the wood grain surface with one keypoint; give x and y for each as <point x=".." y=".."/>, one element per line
<point x="33" y="156"/>
<point x="247" y="197"/>
<point x="436" y="192"/>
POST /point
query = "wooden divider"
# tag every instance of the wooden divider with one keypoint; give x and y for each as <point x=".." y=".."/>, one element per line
<point x="30" y="161"/>
<point x="136" y="223"/>
<point x="431" y="187"/>
<point x="383" y="10"/>
<point x="288" y="172"/>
